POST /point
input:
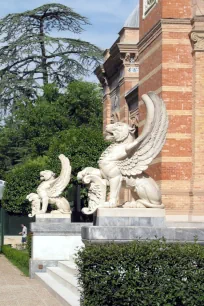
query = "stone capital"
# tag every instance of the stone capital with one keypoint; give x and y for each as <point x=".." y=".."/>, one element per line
<point x="129" y="58"/>
<point x="197" y="39"/>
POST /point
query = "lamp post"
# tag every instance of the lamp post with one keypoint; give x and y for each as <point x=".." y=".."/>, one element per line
<point x="2" y="185"/>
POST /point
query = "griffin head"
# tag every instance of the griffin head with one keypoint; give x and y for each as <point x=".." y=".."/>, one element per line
<point x="46" y="175"/>
<point x="118" y="132"/>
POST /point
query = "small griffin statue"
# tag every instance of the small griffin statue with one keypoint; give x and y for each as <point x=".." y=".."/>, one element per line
<point x="123" y="163"/>
<point x="49" y="191"/>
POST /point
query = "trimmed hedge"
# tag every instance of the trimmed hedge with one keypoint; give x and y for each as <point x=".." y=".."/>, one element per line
<point x="141" y="273"/>
<point x="29" y="244"/>
<point x="18" y="258"/>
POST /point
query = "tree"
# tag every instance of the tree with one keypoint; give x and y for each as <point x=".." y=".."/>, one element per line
<point x="84" y="104"/>
<point x="30" y="129"/>
<point x="30" y="56"/>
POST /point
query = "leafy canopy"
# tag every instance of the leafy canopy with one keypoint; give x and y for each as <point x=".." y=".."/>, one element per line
<point x="28" y="132"/>
<point x="31" y="56"/>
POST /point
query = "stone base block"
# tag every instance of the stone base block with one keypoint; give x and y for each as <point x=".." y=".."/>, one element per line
<point x="53" y="215"/>
<point x="99" y="234"/>
<point x="58" y="247"/>
<point x="130" y="217"/>
<point x="54" y="239"/>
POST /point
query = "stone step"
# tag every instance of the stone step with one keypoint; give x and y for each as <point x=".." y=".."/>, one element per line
<point x="63" y="294"/>
<point x="68" y="266"/>
<point x="184" y="224"/>
<point x="64" y="278"/>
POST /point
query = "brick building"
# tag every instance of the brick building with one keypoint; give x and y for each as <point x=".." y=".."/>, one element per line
<point x="161" y="49"/>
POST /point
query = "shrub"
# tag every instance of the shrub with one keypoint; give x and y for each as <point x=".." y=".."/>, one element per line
<point x="142" y="273"/>
<point x="19" y="258"/>
<point x="20" y="181"/>
<point x="29" y="244"/>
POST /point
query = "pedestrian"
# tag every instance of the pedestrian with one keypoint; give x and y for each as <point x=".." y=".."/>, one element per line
<point x="23" y="233"/>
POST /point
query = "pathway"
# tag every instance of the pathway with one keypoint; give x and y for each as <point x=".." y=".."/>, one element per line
<point x="19" y="290"/>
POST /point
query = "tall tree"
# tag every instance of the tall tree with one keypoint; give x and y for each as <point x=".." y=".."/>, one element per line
<point x="28" y="132"/>
<point x="30" y="57"/>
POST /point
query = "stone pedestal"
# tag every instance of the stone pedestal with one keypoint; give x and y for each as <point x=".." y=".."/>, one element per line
<point x="55" y="238"/>
<point x="127" y="224"/>
<point x="130" y="217"/>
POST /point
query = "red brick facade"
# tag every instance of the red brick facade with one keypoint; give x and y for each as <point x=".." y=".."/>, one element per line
<point x="170" y="52"/>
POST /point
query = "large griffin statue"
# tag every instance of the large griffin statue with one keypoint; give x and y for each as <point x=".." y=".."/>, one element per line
<point x="126" y="159"/>
<point x="49" y="191"/>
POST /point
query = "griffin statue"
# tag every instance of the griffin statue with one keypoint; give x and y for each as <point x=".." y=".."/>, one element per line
<point x="123" y="163"/>
<point x="49" y="191"/>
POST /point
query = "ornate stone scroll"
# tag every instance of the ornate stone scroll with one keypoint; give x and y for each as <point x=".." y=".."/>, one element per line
<point x="96" y="194"/>
<point x="197" y="39"/>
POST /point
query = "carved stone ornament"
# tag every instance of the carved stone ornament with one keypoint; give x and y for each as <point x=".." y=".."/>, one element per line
<point x="49" y="191"/>
<point x="197" y="39"/>
<point x="129" y="58"/>
<point x="97" y="189"/>
<point x="147" y="5"/>
<point x="126" y="159"/>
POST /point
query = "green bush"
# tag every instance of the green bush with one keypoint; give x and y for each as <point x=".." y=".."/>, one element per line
<point x="142" y="273"/>
<point x="20" y="181"/>
<point x="19" y="258"/>
<point x="29" y="244"/>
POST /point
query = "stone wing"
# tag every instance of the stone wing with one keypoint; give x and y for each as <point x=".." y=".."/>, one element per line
<point x="149" y="144"/>
<point x="63" y="179"/>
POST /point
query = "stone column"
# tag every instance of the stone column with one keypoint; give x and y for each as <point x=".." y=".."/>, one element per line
<point x="197" y="40"/>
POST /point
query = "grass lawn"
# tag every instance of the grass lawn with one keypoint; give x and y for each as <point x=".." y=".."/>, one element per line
<point x="19" y="258"/>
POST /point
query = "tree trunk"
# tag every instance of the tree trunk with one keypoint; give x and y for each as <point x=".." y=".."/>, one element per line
<point x="43" y="53"/>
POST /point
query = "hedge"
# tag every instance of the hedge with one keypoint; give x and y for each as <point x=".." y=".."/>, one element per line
<point x="22" y="180"/>
<point x="141" y="273"/>
<point x="29" y="244"/>
<point x="18" y="258"/>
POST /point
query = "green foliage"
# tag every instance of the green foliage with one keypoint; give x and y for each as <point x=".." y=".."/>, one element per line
<point x="19" y="258"/>
<point x="30" y="55"/>
<point x="29" y="244"/>
<point x="30" y="129"/>
<point x="83" y="101"/>
<point x="83" y="146"/>
<point x="20" y="181"/>
<point x="142" y="273"/>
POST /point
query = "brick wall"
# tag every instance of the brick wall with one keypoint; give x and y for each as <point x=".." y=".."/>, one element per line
<point x="166" y="68"/>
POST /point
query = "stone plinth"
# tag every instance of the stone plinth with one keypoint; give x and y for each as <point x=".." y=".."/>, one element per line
<point x="55" y="238"/>
<point x="129" y="217"/>
<point x="124" y="225"/>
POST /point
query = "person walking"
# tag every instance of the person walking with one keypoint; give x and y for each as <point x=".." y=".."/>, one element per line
<point x="23" y="233"/>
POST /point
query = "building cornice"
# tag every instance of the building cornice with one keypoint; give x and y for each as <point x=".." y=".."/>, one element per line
<point x="123" y="47"/>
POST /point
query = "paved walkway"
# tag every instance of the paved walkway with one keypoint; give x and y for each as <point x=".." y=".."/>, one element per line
<point x="19" y="290"/>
